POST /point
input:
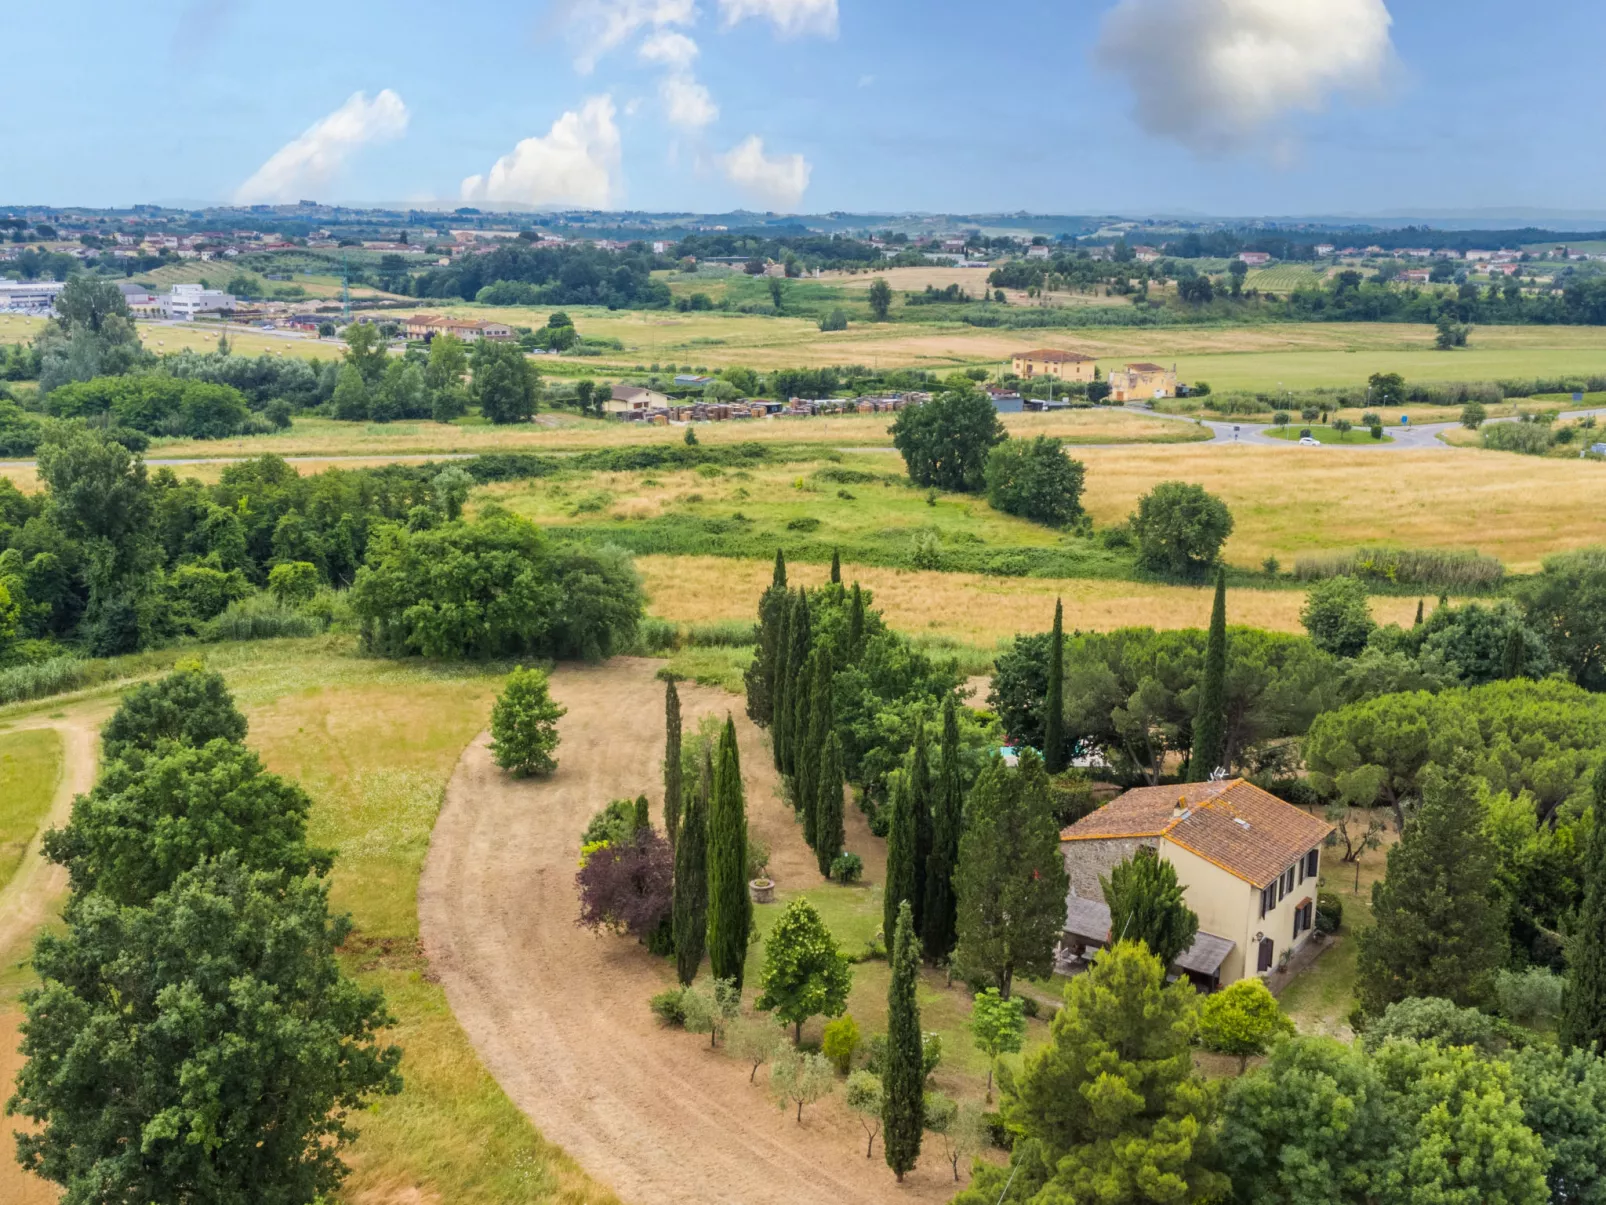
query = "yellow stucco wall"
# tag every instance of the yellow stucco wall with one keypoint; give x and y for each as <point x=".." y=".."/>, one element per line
<point x="1230" y="907"/>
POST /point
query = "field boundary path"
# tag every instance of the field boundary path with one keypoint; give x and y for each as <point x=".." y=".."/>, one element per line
<point x="26" y="902"/>
<point x="560" y="1016"/>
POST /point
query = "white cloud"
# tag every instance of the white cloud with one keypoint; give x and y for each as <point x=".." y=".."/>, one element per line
<point x="1211" y="73"/>
<point x="687" y="103"/>
<point x="306" y="165"/>
<point x="598" y="26"/>
<point x="778" y="182"/>
<point x="575" y="163"/>
<point x="669" y="48"/>
<point x="791" y="17"/>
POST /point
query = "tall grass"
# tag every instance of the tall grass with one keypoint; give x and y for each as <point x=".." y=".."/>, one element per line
<point x="1431" y="568"/>
<point x="261" y="617"/>
<point x="54" y="677"/>
<point x="1533" y="439"/>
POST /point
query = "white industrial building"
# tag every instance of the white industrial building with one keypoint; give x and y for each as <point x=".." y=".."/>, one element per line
<point x="189" y="301"/>
<point x="30" y="295"/>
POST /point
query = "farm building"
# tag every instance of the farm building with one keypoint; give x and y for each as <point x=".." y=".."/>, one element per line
<point x="632" y="401"/>
<point x="427" y="326"/>
<point x="1143" y="382"/>
<point x="1247" y="863"/>
<point x="1255" y="259"/>
<point x="1049" y="362"/>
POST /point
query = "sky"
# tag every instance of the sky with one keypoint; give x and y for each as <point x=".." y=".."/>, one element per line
<point x="1229" y="108"/>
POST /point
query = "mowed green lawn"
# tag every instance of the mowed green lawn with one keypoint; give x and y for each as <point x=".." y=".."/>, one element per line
<point x="30" y="769"/>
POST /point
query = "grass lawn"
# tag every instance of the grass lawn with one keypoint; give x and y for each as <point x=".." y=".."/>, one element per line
<point x="30" y="768"/>
<point x="1358" y="437"/>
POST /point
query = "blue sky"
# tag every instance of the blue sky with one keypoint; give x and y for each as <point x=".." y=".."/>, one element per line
<point x="1226" y="107"/>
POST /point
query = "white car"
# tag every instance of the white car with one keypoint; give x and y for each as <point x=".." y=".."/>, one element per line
<point x="1310" y="442"/>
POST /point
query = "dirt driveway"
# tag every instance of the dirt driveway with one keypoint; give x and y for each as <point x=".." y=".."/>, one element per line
<point x="560" y="1017"/>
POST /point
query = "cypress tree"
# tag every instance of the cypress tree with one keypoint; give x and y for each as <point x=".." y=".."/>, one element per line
<point x="797" y="658"/>
<point x="643" y="813"/>
<point x="900" y="882"/>
<point x="1210" y="723"/>
<point x="904" y="1076"/>
<point x="1583" y="1003"/>
<point x="821" y="721"/>
<point x="778" y="582"/>
<point x="1419" y="612"/>
<point x="829" y="836"/>
<point x="836" y="568"/>
<point x="672" y="784"/>
<point x="762" y="672"/>
<point x="782" y="675"/>
<point x="920" y="792"/>
<point x="947" y="815"/>
<point x="1513" y="661"/>
<point x="730" y="909"/>
<point x="856" y="622"/>
<point x="690" y="910"/>
<point x="804" y="767"/>
<point x="1054" y="704"/>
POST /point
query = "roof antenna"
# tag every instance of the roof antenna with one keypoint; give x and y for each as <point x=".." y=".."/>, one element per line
<point x="1219" y="774"/>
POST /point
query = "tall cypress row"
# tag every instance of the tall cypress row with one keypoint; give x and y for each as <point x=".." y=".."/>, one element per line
<point x="672" y="773"/>
<point x="761" y="673"/>
<point x="829" y="835"/>
<point x="778" y="581"/>
<point x="1210" y="723"/>
<point x="947" y="817"/>
<point x="1054" y="704"/>
<point x="690" y="910"/>
<point x="836" y="568"/>
<point x="920" y="792"/>
<point x="782" y="675"/>
<point x="822" y="719"/>
<point x="730" y="909"/>
<point x="904" y="1077"/>
<point x="1583" y="1002"/>
<point x="900" y="883"/>
<point x="804" y="764"/>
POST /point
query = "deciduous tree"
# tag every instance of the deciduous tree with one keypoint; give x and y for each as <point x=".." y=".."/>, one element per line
<point x="1242" y="1019"/>
<point x="804" y="975"/>
<point x="945" y="442"/>
<point x="524" y="724"/>
<point x="191" y="705"/>
<point x="997" y="1026"/>
<point x="800" y="1079"/>
<point x="866" y="1098"/>
<point x="1180" y="528"/>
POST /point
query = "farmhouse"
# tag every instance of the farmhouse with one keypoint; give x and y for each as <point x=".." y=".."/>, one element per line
<point x="1062" y="365"/>
<point x="632" y="401"/>
<point x="1255" y="259"/>
<point x="1141" y="382"/>
<point x="1247" y="863"/>
<point x="427" y="326"/>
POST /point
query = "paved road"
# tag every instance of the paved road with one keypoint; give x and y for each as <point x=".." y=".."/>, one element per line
<point x="1416" y="436"/>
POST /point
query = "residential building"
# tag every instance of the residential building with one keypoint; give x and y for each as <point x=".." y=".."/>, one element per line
<point x="1145" y="255"/>
<point x="1504" y="269"/>
<point x="1416" y="276"/>
<point x="1143" y="382"/>
<point x="1049" y="362"/>
<point x="1037" y="253"/>
<point x="1323" y="250"/>
<point x="1446" y="253"/>
<point x="1255" y="259"/>
<point x="427" y="326"/>
<point x="632" y="401"/>
<point x="1247" y="863"/>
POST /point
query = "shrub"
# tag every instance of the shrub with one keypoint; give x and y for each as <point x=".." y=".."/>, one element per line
<point x="1529" y="997"/>
<point x="840" y="1043"/>
<point x="293" y="582"/>
<point x="847" y="867"/>
<point x="1532" y="439"/>
<point x="1434" y="1019"/>
<point x="669" y="1006"/>
<point x="613" y="825"/>
<point x="524" y="732"/>
<point x="1329" y="912"/>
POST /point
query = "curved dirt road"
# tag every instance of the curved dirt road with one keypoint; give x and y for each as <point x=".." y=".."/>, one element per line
<point x="560" y="1017"/>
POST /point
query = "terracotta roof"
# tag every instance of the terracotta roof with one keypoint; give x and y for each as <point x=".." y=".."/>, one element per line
<point x="1054" y="356"/>
<point x="1234" y="824"/>
<point x="1144" y="368"/>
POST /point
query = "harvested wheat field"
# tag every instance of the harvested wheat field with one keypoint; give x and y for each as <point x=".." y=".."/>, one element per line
<point x="560" y="1016"/>
<point x="1517" y="508"/>
<point x="973" y="608"/>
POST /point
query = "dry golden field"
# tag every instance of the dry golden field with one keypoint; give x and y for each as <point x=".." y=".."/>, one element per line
<point x="1517" y="508"/>
<point x="971" y="608"/>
